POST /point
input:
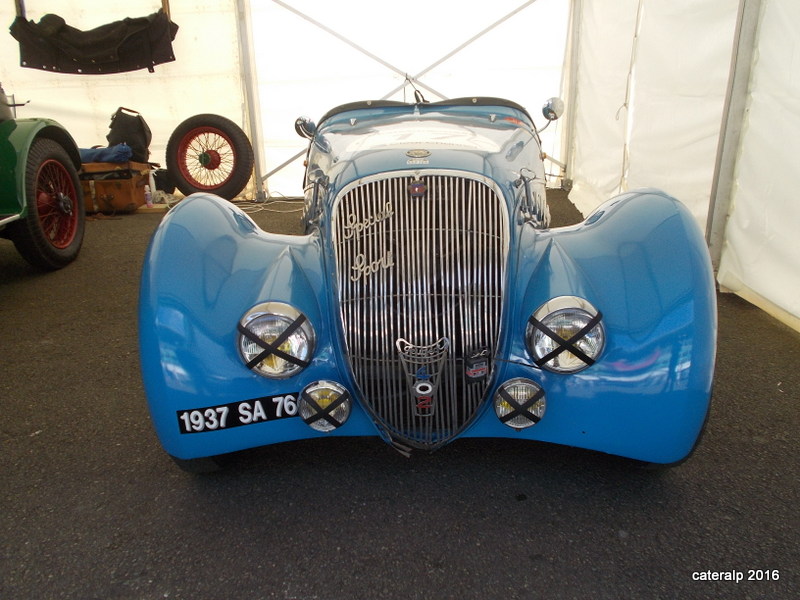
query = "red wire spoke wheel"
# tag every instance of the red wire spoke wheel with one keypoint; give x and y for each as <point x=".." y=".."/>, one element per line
<point x="50" y="233"/>
<point x="206" y="157"/>
<point x="55" y="205"/>
<point x="209" y="153"/>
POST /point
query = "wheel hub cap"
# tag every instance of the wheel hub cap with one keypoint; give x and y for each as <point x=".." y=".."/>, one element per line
<point x="210" y="159"/>
<point x="65" y="204"/>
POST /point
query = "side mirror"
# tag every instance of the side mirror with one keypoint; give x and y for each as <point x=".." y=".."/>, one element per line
<point x="305" y="127"/>
<point x="553" y="109"/>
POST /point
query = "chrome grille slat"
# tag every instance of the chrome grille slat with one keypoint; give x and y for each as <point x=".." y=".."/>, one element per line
<point x="433" y="267"/>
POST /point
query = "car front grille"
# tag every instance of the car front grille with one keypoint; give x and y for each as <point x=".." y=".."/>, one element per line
<point x="420" y="267"/>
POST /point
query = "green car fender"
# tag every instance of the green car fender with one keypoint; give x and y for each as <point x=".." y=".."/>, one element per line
<point x="16" y="138"/>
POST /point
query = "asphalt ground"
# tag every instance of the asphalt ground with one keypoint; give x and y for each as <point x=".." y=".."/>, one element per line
<point x="92" y="508"/>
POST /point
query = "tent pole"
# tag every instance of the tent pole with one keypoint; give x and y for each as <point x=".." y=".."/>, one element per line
<point x="252" y="105"/>
<point x="733" y="114"/>
<point x="569" y="79"/>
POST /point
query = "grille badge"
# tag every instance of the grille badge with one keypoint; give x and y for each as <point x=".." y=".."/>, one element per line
<point x="417" y="189"/>
<point x="417" y="157"/>
<point x="477" y="365"/>
<point x="422" y="366"/>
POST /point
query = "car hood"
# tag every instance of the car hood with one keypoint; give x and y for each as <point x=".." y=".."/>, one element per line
<point x="484" y="139"/>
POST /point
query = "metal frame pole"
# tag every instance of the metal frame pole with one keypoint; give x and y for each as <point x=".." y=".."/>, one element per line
<point x="252" y="105"/>
<point x="731" y="128"/>
<point x="570" y="85"/>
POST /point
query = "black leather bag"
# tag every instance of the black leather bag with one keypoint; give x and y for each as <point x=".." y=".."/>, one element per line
<point x="129" y="127"/>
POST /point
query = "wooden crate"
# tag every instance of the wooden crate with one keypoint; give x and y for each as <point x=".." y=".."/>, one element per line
<point x="114" y="187"/>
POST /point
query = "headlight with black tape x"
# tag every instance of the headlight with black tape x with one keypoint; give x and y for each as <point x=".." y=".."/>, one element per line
<point x="275" y="340"/>
<point x="565" y="335"/>
<point x="519" y="403"/>
<point x="325" y="405"/>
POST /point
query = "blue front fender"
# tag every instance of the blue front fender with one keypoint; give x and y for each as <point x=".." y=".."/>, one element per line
<point x="642" y="261"/>
<point x="207" y="264"/>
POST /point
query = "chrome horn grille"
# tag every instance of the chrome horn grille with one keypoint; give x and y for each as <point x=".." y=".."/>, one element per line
<point x="420" y="267"/>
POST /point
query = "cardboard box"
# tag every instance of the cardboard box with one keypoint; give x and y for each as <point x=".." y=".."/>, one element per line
<point x="114" y="187"/>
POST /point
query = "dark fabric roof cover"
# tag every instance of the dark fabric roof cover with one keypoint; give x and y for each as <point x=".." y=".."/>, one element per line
<point x="127" y="45"/>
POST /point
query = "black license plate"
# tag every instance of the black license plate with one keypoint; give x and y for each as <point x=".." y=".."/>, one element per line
<point x="237" y="414"/>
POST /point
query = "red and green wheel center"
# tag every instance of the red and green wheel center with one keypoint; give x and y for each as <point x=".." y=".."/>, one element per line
<point x="206" y="157"/>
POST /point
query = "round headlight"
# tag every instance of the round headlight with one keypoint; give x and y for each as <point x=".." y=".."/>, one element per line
<point x="565" y="335"/>
<point x="324" y="405"/>
<point x="275" y="340"/>
<point x="519" y="403"/>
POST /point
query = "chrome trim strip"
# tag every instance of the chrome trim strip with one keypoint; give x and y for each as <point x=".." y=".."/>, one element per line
<point x="11" y="219"/>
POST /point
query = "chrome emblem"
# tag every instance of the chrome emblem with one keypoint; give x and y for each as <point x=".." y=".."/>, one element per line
<point x="422" y="366"/>
<point x="417" y="189"/>
<point x="418" y="153"/>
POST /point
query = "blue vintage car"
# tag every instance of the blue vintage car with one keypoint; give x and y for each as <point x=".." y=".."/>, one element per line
<point x="429" y="300"/>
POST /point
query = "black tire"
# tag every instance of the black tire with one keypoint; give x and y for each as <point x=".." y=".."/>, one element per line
<point x="209" y="153"/>
<point x="199" y="466"/>
<point x="50" y="234"/>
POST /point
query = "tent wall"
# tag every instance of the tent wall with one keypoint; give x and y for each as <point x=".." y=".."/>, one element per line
<point x="761" y="251"/>
<point x="599" y="76"/>
<point x="312" y="56"/>
<point x="205" y="76"/>
<point x="650" y="86"/>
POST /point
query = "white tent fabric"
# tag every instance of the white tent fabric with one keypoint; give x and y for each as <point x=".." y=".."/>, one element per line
<point x="761" y="253"/>
<point x="312" y="56"/>
<point x="600" y="70"/>
<point x="651" y="84"/>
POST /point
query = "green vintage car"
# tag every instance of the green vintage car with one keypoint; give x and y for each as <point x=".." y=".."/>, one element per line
<point x="41" y="200"/>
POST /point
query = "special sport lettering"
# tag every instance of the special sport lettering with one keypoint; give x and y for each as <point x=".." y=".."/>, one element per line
<point x="363" y="267"/>
<point x="353" y="226"/>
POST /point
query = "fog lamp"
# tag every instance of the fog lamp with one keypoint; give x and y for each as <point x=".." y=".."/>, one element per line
<point x="275" y="340"/>
<point x="565" y="335"/>
<point x="324" y="405"/>
<point x="519" y="403"/>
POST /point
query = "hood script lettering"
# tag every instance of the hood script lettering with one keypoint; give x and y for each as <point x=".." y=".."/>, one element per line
<point x="354" y="227"/>
<point x="363" y="267"/>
